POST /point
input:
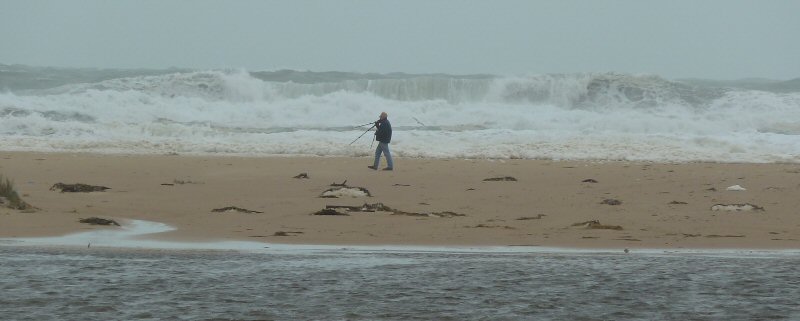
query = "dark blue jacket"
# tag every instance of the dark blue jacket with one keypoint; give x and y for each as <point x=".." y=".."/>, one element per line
<point x="384" y="132"/>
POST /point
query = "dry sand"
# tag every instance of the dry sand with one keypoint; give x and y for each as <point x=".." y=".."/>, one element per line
<point x="662" y="205"/>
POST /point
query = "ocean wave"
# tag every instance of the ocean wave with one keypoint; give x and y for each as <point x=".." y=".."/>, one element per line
<point x="566" y="116"/>
<point x="603" y="90"/>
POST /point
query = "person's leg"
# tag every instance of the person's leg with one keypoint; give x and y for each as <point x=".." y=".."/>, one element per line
<point x="388" y="154"/>
<point x="378" y="151"/>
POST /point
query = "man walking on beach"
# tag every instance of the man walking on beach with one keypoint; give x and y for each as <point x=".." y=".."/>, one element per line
<point x="383" y="135"/>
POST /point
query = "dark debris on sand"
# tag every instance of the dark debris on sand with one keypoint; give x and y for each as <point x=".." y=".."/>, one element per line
<point x="331" y="212"/>
<point x="537" y="217"/>
<point x="286" y="233"/>
<point x="506" y="227"/>
<point x="77" y="188"/>
<point x="229" y="209"/>
<point x="595" y="224"/>
<point x="500" y="179"/>
<point x="344" y="210"/>
<point x="98" y="221"/>
<point x="727" y="235"/>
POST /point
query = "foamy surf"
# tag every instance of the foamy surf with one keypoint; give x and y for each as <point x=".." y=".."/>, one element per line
<point x="134" y="234"/>
<point x="604" y="116"/>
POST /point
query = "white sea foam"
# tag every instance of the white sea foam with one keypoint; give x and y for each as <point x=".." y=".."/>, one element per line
<point x="140" y="234"/>
<point x="584" y="116"/>
<point x="736" y="207"/>
<point x="345" y="192"/>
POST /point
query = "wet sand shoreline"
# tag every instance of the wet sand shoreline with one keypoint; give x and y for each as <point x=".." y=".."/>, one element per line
<point x="636" y="205"/>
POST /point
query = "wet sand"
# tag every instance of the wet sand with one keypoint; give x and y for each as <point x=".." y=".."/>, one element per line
<point x="660" y="205"/>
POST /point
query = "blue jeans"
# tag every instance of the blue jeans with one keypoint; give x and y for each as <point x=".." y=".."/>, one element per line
<point x="383" y="148"/>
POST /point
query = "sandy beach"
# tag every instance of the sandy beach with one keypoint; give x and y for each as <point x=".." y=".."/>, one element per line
<point x="429" y="201"/>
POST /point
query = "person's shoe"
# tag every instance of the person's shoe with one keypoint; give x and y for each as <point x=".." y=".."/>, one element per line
<point x="388" y="169"/>
<point x="372" y="167"/>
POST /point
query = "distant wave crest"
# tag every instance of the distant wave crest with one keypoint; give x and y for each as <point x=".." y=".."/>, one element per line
<point x="586" y="91"/>
<point x="555" y="116"/>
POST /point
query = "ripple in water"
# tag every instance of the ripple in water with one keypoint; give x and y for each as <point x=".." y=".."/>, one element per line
<point x="55" y="284"/>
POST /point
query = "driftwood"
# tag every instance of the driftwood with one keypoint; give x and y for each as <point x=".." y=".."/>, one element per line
<point x="504" y="179"/>
<point x="77" y="188"/>
<point x="301" y="175"/>
<point x="342" y="184"/>
<point x="589" y="180"/>
<point x="98" y="221"/>
<point x="234" y="209"/>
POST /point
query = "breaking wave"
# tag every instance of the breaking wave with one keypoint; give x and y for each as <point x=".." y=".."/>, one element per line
<point x="594" y="116"/>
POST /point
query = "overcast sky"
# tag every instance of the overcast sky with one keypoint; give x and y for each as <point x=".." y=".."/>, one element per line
<point x="723" y="39"/>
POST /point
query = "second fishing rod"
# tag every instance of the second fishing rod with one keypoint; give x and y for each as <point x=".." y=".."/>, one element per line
<point x="375" y="123"/>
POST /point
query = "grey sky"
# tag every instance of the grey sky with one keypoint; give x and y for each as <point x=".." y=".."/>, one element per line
<point x="722" y="39"/>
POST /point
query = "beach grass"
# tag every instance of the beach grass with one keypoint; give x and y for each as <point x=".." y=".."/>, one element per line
<point x="10" y="196"/>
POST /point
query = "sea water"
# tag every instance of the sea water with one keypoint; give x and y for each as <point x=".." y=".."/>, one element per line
<point x="121" y="275"/>
<point x="591" y="116"/>
<point x="604" y="116"/>
<point x="102" y="284"/>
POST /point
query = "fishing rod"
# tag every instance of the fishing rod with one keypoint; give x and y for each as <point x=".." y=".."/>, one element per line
<point x="370" y="123"/>
<point x="368" y="129"/>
